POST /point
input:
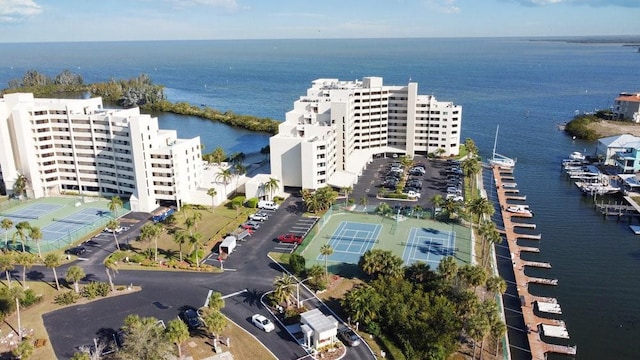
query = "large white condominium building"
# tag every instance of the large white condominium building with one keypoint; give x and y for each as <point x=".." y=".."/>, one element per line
<point x="76" y="146"/>
<point x="336" y="129"/>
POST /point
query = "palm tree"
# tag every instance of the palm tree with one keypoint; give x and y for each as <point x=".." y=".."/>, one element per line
<point x="180" y="237"/>
<point x="496" y="285"/>
<point x="36" y="235"/>
<point x="477" y="326"/>
<point x="225" y="176"/>
<point x="115" y="204"/>
<point x="52" y="261"/>
<point x="498" y="328"/>
<point x="237" y="158"/>
<point x="177" y="332"/>
<point x="6" y="224"/>
<point x="190" y="223"/>
<point x="484" y="230"/>
<point x="113" y="225"/>
<point x="239" y="170"/>
<point x="448" y="268"/>
<point x="437" y="201"/>
<point x="283" y="289"/>
<point x="151" y="232"/>
<point x="6" y="265"/>
<point x="22" y="228"/>
<point x="470" y="166"/>
<point x="214" y="321"/>
<point x="347" y="190"/>
<point x="197" y="216"/>
<point x="26" y="260"/>
<point x="326" y="250"/>
<point x="471" y="146"/>
<point x="20" y="185"/>
<point x="212" y="192"/>
<point x="271" y="186"/>
<point x="109" y="267"/>
<point x="74" y="275"/>
<point x="481" y="207"/>
<point x="363" y="202"/>
<point x="452" y="208"/>
<point x="195" y="240"/>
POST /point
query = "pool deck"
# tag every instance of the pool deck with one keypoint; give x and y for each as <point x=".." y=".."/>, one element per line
<point x="534" y="323"/>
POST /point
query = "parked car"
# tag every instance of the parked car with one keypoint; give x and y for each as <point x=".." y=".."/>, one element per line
<point x="267" y="205"/>
<point x="191" y="318"/>
<point x="118" y="230"/>
<point x="455" y="197"/>
<point x="349" y="337"/>
<point x="262" y="323"/>
<point x="259" y="216"/>
<point x="413" y="194"/>
<point x="77" y="250"/>
<point x="290" y="238"/>
<point x="251" y="225"/>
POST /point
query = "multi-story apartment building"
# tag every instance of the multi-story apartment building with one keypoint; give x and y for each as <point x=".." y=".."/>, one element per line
<point x="336" y="129"/>
<point x="77" y="146"/>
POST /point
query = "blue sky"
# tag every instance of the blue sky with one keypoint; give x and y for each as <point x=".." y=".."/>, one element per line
<point x="104" y="20"/>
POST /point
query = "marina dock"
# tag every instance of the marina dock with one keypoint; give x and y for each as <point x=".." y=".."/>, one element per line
<point x="524" y="225"/>
<point x="535" y="325"/>
<point x="516" y="197"/>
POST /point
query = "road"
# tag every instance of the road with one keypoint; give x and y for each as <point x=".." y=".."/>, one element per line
<point x="249" y="273"/>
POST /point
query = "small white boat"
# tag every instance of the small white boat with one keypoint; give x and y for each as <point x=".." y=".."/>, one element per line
<point x="576" y="155"/>
<point x="519" y="209"/>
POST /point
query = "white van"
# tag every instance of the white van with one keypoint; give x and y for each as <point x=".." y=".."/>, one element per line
<point x="267" y="205"/>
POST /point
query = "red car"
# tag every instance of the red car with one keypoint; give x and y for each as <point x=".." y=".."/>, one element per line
<point x="290" y="238"/>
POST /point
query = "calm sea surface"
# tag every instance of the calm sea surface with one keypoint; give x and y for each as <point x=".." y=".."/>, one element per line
<point x="526" y="87"/>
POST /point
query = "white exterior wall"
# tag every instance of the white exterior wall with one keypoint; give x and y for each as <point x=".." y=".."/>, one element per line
<point x="76" y="146"/>
<point x="356" y="120"/>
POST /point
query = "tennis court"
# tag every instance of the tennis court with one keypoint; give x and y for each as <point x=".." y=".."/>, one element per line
<point x="350" y="240"/>
<point x="62" y="227"/>
<point x="30" y="212"/>
<point x="429" y="246"/>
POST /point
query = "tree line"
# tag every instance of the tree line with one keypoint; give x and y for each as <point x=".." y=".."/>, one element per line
<point x="137" y="91"/>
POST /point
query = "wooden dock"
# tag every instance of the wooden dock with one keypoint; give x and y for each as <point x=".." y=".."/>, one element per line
<point x="516" y="197"/>
<point x="524" y="225"/>
<point x="538" y="264"/>
<point x="528" y="236"/>
<point x="538" y="347"/>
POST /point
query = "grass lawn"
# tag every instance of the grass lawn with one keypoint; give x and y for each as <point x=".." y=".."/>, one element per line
<point x="213" y="226"/>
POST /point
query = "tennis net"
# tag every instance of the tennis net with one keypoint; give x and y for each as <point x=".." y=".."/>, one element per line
<point x="65" y="220"/>
<point x="21" y="216"/>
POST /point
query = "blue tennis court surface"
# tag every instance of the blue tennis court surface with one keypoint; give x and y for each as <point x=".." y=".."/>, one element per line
<point x="77" y="221"/>
<point x="351" y="240"/>
<point x="30" y="212"/>
<point x="429" y="246"/>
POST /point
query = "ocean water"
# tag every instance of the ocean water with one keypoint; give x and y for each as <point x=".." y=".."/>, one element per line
<point x="526" y="87"/>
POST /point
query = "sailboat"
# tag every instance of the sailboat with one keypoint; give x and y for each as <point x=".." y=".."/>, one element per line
<point x="500" y="160"/>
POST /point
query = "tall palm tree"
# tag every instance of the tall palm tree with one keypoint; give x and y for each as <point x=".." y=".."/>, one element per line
<point x="326" y="250"/>
<point x="74" y="275"/>
<point x="498" y="328"/>
<point x="113" y="225"/>
<point x="496" y="285"/>
<point x="36" y="235"/>
<point x="177" y="332"/>
<point x="26" y="260"/>
<point x="225" y="176"/>
<point x="216" y="302"/>
<point x="20" y="185"/>
<point x="212" y="192"/>
<point x="6" y="224"/>
<point x="190" y="224"/>
<point x="109" y="267"/>
<point x="477" y="326"/>
<point x="6" y="265"/>
<point x="481" y="207"/>
<point x="52" y="261"/>
<point x="448" y="268"/>
<point x="347" y="190"/>
<point x="197" y="216"/>
<point x="215" y="322"/>
<point x="151" y="232"/>
<point x="115" y="204"/>
<point x="271" y="186"/>
<point x="195" y="240"/>
<point x="180" y="237"/>
<point x="437" y="201"/>
<point x="22" y="229"/>
<point x="485" y="230"/>
<point x="283" y="289"/>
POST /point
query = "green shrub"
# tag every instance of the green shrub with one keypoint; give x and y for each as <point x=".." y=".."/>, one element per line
<point x="136" y="258"/>
<point x="192" y="257"/>
<point x="30" y="298"/>
<point x="66" y="298"/>
<point x="95" y="289"/>
<point x="251" y="203"/>
<point x="118" y="255"/>
<point x="297" y="263"/>
<point x="278" y="199"/>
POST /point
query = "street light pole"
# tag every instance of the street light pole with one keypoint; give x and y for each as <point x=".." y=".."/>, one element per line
<point x="298" y="290"/>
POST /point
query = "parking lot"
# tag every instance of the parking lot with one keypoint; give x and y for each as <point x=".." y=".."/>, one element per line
<point x="438" y="176"/>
